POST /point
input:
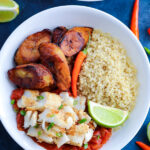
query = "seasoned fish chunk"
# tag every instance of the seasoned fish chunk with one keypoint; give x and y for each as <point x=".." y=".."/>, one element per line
<point x="62" y="140"/>
<point x="33" y="100"/>
<point x="79" y="103"/>
<point x="84" y="115"/>
<point x="39" y="134"/>
<point x="51" y="100"/>
<point x="60" y="119"/>
<point x="66" y="98"/>
<point x="31" y="76"/>
<point x="80" y="134"/>
<point x="88" y="136"/>
<point x="76" y="140"/>
<point x="28" y="50"/>
<point x="30" y="119"/>
<point x="75" y="40"/>
<point x="28" y="99"/>
<point x="58" y="34"/>
<point x="53" y="58"/>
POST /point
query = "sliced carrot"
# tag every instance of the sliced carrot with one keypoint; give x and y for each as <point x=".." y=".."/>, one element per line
<point x="134" y="20"/>
<point x="143" y="146"/>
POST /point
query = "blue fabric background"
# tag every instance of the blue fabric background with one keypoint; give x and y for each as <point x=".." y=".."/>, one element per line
<point x="121" y="9"/>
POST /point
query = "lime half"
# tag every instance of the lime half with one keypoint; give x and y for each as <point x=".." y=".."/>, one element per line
<point x="148" y="131"/>
<point x="8" y="10"/>
<point x="107" y="116"/>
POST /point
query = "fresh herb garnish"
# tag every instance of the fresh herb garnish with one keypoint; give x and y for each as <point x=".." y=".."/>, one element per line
<point x="59" y="134"/>
<point x="36" y="126"/>
<point x="75" y="102"/>
<point x="82" y="120"/>
<point x="147" y="50"/>
<point x="22" y="112"/>
<point x="85" y="146"/>
<point x="12" y="101"/>
<point x="60" y="107"/>
<point x="98" y="137"/>
<point x="16" y="110"/>
<point x="39" y="133"/>
<point x="40" y="97"/>
<point x="52" y="115"/>
<point x="50" y="126"/>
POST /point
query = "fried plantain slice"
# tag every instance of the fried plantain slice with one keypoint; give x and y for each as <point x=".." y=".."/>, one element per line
<point x="85" y="33"/>
<point x="31" y="76"/>
<point x="54" y="59"/>
<point x="58" y="34"/>
<point x="28" y="50"/>
<point x="75" y="40"/>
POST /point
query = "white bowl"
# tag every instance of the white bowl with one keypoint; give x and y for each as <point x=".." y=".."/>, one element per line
<point x="76" y="16"/>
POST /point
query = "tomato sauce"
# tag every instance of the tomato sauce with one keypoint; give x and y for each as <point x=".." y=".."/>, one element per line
<point x="100" y="136"/>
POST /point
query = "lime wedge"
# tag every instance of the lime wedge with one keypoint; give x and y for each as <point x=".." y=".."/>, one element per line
<point x="8" y="10"/>
<point x="107" y="116"/>
<point x="148" y="131"/>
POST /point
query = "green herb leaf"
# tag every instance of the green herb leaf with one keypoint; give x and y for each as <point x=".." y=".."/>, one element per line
<point x="147" y="50"/>
<point x="39" y="133"/>
<point x="60" y="107"/>
<point x="52" y="115"/>
<point x="12" y="101"/>
<point x="82" y="120"/>
<point x="16" y="110"/>
<point x="85" y="146"/>
<point x="59" y="134"/>
<point x="98" y="137"/>
<point x="75" y="102"/>
<point x="22" y="112"/>
<point x="40" y="97"/>
<point x="50" y="126"/>
<point x="36" y="126"/>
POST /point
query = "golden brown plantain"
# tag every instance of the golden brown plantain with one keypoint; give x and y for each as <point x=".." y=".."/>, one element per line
<point x="54" y="59"/>
<point x="75" y="40"/>
<point x="28" y="50"/>
<point x="85" y="33"/>
<point x="58" y="34"/>
<point x="31" y="76"/>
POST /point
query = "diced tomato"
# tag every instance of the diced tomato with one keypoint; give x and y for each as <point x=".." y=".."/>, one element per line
<point x="20" y="122"/>
<point x="106" y="134"/>
<point x="17" y="93"/>
<point x="15" y="106"/>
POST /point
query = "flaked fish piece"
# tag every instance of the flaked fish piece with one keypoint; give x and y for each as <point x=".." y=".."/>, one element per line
<point x="30" y="119"/>
<point x="39" y="134"/>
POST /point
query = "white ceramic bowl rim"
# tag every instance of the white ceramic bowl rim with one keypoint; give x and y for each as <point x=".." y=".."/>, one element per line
<point x="2" y="53"/>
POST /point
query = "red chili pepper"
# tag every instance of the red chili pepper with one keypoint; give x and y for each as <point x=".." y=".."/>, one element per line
<point x="134" y="20"/>
<point x="148" y="30"/>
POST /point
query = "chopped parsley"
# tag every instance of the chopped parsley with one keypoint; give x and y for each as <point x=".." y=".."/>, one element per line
<point x="82" y="120"/>
<point x="12" y="101"/>
<point x="22" y="112"/>
<point x="16" y="110"/>
<point x="40" y="97"/>
<point x="60" y="107"/>
<point x="52" y="115"/>
<point x="50" y="126"/>
<point x="75" y="102"/>
<point x="59" y="134"/>
<point x="39" y="133"/>
<point x="98" y="137"/>
<point x="85" y="146"/>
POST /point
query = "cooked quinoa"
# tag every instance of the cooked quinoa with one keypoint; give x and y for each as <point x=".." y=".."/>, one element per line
<point x="108" y="76"/>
